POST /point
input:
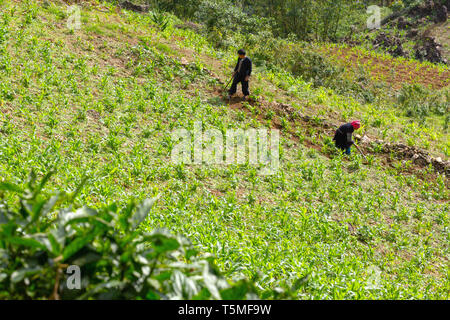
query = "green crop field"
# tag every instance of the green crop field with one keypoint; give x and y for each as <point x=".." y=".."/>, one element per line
<point x="97" y="106"/>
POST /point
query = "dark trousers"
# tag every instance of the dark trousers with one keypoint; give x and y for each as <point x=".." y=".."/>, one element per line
<point x="244" y="83"/>
<point x="346" y="150"/>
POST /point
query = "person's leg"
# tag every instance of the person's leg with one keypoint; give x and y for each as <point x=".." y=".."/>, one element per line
<point x="233" y="87"/>
<point x="245" y="88"/>
<point x="348" y="151"/>
<point x="339" y="146"/>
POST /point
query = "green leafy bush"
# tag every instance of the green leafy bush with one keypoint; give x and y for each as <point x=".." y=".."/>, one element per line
<point x="298" y="58"/>
<point x="160" y="19"/>
<point x="116" y="260"/>
<point x="313" y="66"/>
<point x="419" y="102"/>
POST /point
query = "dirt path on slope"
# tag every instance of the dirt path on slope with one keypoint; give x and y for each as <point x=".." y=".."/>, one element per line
<point x="419" y="159"/>
<point x="414" y="160"/>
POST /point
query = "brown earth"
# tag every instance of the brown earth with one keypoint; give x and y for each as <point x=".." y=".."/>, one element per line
<point x="388" y="69"/>
<point x="419" y="159"/>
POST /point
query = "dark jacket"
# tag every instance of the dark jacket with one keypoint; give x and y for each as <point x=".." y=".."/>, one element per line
<point x="343" y="136"/>
<point x="246" y="68"/>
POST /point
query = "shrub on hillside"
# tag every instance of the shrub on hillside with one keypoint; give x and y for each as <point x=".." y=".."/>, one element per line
<point x="298" y="58"/>
<point x="224" y="16"/>
<point x="313" y="66"/>
<point x="419" y="102"/>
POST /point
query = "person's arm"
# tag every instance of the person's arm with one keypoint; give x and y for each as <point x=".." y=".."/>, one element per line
<point x="349" y="139"/>
<point x="248" y="69"/>
<point x="237" y="65"/>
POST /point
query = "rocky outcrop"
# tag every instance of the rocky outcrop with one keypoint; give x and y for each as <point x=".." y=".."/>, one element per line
<point x="134" y="7"/>
<point x="430" y="50"/>
<point x="441" y="13"/>
<point x="189" y="25"/>
<point x="417" y="156"/>
<point x="412" y="33"/>
<point x="402" y="23"/>
<point x="392" y="44"/>
<point x="412" y="19"/>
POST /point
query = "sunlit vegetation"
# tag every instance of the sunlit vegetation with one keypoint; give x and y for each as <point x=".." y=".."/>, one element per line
<point x="101" y="102"/>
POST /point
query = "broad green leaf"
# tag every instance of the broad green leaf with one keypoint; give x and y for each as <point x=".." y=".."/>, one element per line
<point x="151" y="295"/>
<point x="27" y="242"/>
<point x="36" y="210"/>
<point x="210" y="281"/>
<point x="41" y="185"/>
<point x="8" y="186"/>
<point x="183" y="287"/>
<point x="81" y="214"/>
<point x="58" y="237"/>
<point x="142" y="211"/>
<point x="162" y="241"/>
<point x="203" y="294"/>
<point x="20" y="274"/>
<point x="190" y="253"/>
<point x="98" y="288"/>
<point x="42" y="238"/>
<point x="78" y="244"/>
<point x="55" y="245"/>
<point x="125" y="215"/>
<point x="165" y="275"/>
<point x="87" y="256"/>
<point x="73" y="195"/>
<point x="50" y="204"/>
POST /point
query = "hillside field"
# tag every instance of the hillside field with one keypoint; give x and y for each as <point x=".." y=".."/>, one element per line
<point x="103" y="101"/>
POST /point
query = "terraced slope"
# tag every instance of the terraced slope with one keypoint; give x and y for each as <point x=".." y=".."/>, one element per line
<point x="394" y="71"/>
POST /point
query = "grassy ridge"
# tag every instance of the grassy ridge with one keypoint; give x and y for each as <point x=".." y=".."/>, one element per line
<point x="103" y="101"/>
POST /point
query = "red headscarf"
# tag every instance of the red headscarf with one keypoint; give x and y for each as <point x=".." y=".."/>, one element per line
<point x="356" y="124"/>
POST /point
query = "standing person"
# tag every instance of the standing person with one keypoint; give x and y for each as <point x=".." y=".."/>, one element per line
<point x="343" y="136"/>
<point x="241" y="74"/>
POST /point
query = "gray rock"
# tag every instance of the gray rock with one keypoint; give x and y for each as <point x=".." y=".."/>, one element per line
<point x="441" y="13"/>
<point x="134" y="7"/>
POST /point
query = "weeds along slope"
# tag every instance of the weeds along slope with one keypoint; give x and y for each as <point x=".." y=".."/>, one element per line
<point x="103" y="101"/>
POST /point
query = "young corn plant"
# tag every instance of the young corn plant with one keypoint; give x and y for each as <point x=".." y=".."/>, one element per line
<point x="45" y="239"/>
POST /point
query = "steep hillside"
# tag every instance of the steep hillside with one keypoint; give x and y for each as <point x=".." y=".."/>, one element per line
<point x="103" y="101"/>
<point x="395" y="72"/>
<point x="409" y="29"/>
<point x="441" y="32"/>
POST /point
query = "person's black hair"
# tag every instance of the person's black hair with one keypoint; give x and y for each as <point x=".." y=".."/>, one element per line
<point x="241" y="51"/>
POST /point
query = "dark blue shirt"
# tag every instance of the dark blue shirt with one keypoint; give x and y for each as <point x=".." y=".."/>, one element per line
<point x="246" y="67"/>
<point x="343" y="136"/>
